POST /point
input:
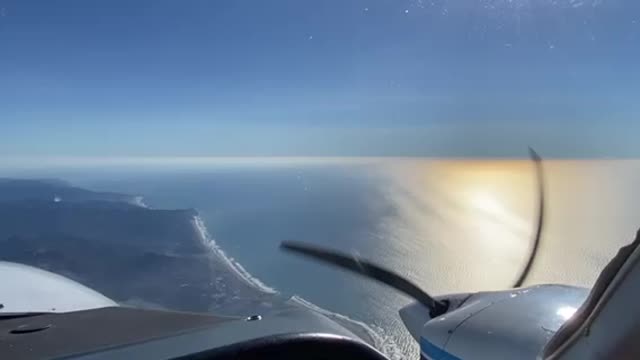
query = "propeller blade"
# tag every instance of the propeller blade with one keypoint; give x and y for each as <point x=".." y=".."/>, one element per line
<point x="537" y="160"/>
<point x="362" y="267"/>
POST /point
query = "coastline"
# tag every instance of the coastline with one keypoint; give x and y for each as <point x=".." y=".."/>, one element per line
<point x="367" y="333"/>
<point x="238" y="270"/>
<point x="384" y="343"/>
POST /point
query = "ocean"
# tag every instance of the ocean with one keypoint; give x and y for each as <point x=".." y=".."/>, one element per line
<point x="448" y="225"/>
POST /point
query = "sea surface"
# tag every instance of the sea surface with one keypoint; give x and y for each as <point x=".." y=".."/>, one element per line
<point x="448" y="225"/>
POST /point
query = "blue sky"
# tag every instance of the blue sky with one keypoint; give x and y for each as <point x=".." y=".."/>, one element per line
<point x="325" y="78"/>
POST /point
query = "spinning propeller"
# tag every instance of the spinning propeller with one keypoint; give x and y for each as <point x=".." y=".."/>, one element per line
<point x="364" y="268"/>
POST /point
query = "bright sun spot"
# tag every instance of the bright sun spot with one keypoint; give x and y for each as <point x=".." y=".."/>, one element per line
<point x="566" y="312"/>
<point x="486" y="202"/>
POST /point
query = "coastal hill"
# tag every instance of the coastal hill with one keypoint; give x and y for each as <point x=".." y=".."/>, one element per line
<point x="52" y="190"/>
<point x="130" y="253"/>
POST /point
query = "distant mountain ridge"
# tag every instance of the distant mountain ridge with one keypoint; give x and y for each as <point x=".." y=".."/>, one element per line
<point x="51" y="189"/>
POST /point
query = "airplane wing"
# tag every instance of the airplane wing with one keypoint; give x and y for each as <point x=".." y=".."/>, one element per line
<point x="29" y="289"/>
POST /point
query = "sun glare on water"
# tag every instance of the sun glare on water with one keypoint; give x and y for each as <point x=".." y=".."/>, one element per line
<point x="484" y="201"/>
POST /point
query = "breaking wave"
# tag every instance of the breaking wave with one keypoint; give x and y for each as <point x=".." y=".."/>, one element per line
<point x="238" y="269"/>
<point x="384" y="343"/>
<point x="139" y="201"/>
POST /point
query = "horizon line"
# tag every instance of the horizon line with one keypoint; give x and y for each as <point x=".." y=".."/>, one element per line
<point x="47" y="161"/>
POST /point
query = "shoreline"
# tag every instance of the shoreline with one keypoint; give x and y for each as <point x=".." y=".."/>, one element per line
<point x="365" y="332"/>
<point x="209" y="243"/>
<point x="384" y="343"/>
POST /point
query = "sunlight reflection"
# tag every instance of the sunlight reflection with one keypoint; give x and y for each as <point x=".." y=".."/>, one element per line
<point x="466" y="217"/>
<point x="566" y="312"/>
<point x="461" y="216"/>
<point x="485" y="201"/>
